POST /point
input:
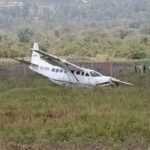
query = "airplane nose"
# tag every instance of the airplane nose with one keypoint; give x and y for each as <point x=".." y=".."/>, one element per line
<point x="113" y="81"/>
<point x="108" y="79"/>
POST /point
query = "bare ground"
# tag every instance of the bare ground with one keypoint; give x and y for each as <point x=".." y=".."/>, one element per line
<point x="128" y="144"/>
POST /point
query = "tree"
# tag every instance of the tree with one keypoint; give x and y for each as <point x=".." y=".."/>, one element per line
<point x="25" y="35"/>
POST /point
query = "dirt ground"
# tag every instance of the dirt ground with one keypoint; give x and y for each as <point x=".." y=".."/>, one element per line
<point x="128" y="144"/>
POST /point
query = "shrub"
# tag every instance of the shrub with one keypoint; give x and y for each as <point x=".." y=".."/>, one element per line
<point x="137" y="54"/>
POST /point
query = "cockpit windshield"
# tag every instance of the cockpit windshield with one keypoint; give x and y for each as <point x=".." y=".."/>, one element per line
<point x="95" y="74"/>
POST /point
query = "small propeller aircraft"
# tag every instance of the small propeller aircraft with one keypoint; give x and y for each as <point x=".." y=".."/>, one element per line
<point x="62" y="72"/>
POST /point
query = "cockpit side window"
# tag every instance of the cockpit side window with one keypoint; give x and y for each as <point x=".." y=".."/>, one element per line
<point x="94" y="74"/>
<point x="78" y="72"/>
<point x="87" y="75"/>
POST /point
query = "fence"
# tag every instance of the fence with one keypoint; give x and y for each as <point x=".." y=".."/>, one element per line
<point x="20" y="71"/>
<point x="15" y="71"/>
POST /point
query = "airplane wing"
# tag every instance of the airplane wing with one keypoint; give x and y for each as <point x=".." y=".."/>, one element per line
<point x="58" y="61"/>
<point x="120" y="82"/>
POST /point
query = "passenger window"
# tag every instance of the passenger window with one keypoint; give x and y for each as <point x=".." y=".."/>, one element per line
<point x="65" y="71"/>
<point x="57" y="70"/>
<point x="61" y="70"/>
<point x="53" y="69"/>
<point x="78" y="72"/>
<point x="82" y="73"/>
<point x="87" y="75"/>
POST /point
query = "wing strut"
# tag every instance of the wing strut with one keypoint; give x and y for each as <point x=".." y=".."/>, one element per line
<point x="72" y="73"/>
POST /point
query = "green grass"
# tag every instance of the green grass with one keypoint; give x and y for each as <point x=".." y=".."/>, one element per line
<point x="35" y="109"/>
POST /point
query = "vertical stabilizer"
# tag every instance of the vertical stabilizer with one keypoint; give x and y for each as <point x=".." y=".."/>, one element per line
<point x="35" y="58"/>
<point x="35" y="46"/>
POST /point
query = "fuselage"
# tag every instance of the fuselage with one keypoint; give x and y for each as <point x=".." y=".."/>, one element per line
<point x="58" y="75"/>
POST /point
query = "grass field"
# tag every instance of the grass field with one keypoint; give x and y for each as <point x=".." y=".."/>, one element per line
<point x="35" y="110"/>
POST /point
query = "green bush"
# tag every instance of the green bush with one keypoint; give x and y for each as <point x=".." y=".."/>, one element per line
<point x="137" y="54"/>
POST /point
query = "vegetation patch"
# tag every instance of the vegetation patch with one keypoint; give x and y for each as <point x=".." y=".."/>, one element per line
<point x="36" y="110"/>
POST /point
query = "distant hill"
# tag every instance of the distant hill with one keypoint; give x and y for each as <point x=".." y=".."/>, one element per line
<point x="110" y="12"/>
<point x="92" y="28"/>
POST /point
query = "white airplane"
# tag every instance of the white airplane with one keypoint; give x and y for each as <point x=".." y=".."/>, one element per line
<point x="62" y="72"/>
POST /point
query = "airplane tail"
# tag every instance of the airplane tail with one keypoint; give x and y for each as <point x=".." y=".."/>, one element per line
<point x="35" y="58"/>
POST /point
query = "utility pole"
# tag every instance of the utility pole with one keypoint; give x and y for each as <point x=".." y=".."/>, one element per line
<point x="110" y="68"/>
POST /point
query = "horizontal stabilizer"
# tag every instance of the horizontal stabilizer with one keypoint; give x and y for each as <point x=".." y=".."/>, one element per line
<point x="23" y="61"/>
